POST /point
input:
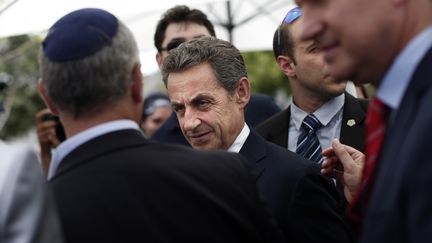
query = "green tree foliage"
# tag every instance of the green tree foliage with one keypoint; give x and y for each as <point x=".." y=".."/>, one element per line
<point x="264" y="73"/>
<point x="19" y="62"/>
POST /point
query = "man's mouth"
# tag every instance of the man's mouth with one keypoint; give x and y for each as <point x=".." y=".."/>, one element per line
<point x="198" y="138"/>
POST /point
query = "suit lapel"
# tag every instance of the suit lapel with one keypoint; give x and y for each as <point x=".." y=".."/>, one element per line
<point x="99" y="146"/>
<point x="279" y="134"/>
<point x="353" y="119"/>
<point x="254" y="150"/>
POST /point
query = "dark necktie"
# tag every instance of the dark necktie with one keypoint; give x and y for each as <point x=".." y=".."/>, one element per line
<point x="308" y="144"/>
<point x="375" y="131"/>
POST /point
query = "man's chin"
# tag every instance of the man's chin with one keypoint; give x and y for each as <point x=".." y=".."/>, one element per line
<point x="203" y="147"/>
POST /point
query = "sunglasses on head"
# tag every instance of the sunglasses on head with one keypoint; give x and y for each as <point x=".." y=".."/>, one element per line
<point x="289" y="18"/>
<point x="292" y="15"/>
<point x="173" y="44"/>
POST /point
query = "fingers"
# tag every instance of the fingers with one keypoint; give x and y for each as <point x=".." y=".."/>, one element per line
<point x="45" y="130"/>
<point x="328" y="152"/>
<point x="341" y="152"/>
<point x="39" y="115"/>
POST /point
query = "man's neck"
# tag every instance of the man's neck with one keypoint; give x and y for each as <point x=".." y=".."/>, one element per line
<point x="308" y="104"/>
<point x="73" y="125"/>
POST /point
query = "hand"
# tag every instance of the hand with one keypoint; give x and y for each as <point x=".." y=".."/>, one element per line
<point x="344" y="163"/>
<point x="47" y="137"/>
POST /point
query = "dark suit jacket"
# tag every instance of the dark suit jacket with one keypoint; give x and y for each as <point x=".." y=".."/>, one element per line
<point x="400" y="205"/>
<point x="275" y="129"/>
<point x="305" y="204"/>
<point x="119" y="187"/>
<point x="259" y="108"/>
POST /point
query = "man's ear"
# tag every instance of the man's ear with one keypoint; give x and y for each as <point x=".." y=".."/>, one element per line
<point x="243" y="92"/>
<point x="287" y="66"/>
<point x="159" y="59"/>
<point x="137" y="86"/>
<point x="44" y="94"/>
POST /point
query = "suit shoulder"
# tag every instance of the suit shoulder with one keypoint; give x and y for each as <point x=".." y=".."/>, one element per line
<point x="184" y="156"/>
<point x="291" y="161"/>
<point x="351" y="100"/>
<point x="270" y="122"/>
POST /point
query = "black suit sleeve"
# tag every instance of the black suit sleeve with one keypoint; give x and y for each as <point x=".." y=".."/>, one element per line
<point x="315" y="212"/>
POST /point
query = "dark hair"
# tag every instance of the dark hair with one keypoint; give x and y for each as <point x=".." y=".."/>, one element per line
<point x="225" y="59"/>
<point x="177" y="14"/>
<point x="283" y="42"/>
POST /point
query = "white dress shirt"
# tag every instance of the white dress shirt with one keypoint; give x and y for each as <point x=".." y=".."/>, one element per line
<point x="330" y="116"/>
<point x="240" y="140"/>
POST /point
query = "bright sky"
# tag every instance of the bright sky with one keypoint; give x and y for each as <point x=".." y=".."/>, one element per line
<point x="36" y="16"/>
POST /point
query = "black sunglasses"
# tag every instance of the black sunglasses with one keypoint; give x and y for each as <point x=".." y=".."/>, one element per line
<point x="173" y="44"/>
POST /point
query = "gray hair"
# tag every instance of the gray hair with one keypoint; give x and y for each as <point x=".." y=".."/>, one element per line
<point x="85" y="86"/>
<point x="225" y="59"/>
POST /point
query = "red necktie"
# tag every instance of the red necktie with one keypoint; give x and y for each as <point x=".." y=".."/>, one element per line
<point x="375" y="130"/>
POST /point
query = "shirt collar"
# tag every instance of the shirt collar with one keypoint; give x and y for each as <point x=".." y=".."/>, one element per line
<point x="324" y="114"/>
<point x="392" y="88"/>
<point x="240" y="140"/>
<point x="76" y="140"/>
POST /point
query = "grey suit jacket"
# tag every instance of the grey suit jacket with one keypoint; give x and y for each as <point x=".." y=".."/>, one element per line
<point x="27" y="211"/>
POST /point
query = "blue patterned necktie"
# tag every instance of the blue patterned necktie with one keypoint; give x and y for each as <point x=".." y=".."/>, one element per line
<point x="308" y="144"/>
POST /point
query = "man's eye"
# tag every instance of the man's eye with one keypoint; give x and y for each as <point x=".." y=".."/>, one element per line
<point x="314" y="49"/>
<point x="202" y="104"/>
<point x="177" y="109"/>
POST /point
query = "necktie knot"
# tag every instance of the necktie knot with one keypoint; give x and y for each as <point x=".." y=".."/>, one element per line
<point x="311" y="123"/>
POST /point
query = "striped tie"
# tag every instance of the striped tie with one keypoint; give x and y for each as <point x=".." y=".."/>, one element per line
<point x="308" y="144"/>
<point x="375" y="131"/>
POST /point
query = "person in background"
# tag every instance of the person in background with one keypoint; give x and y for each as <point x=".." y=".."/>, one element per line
<point x="50" y="134"/>
<point x="110" y="183"/>
<point x="315" y="94"/>
<point x="180" y="24"/>
<point x="209" y="90"/>
<point x="157" y="109"/>
<point x="392" y="203"/>
<point x="27" y="210"/>
<point x="320" y="109"/>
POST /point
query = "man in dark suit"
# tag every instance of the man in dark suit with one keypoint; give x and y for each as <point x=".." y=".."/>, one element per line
<point x="393" y="202"/>
<point x="314" y="91"/>
<point x="110" y="183"/>
<point x="209" y="90"/>
<point x="180" y="24"/>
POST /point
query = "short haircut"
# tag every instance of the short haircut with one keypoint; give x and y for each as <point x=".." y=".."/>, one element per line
<point x="283" y="43"/>
<point x="178" y="14"/>
<point x="225" y="59"/>
<point x="85" y="86"/>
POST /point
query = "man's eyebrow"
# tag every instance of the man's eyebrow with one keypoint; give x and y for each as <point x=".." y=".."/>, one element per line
<point x="177" y="39"/>
<point x="201" y="97"/>
<point x="176" y="104"/>
<point x="199" y="36"/>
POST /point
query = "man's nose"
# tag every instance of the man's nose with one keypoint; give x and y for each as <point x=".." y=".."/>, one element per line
<point x="311" y="26"/>
<point x="191" y="120"/>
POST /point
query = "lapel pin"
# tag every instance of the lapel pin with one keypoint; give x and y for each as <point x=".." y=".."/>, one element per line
<point x="351" y="122"/>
